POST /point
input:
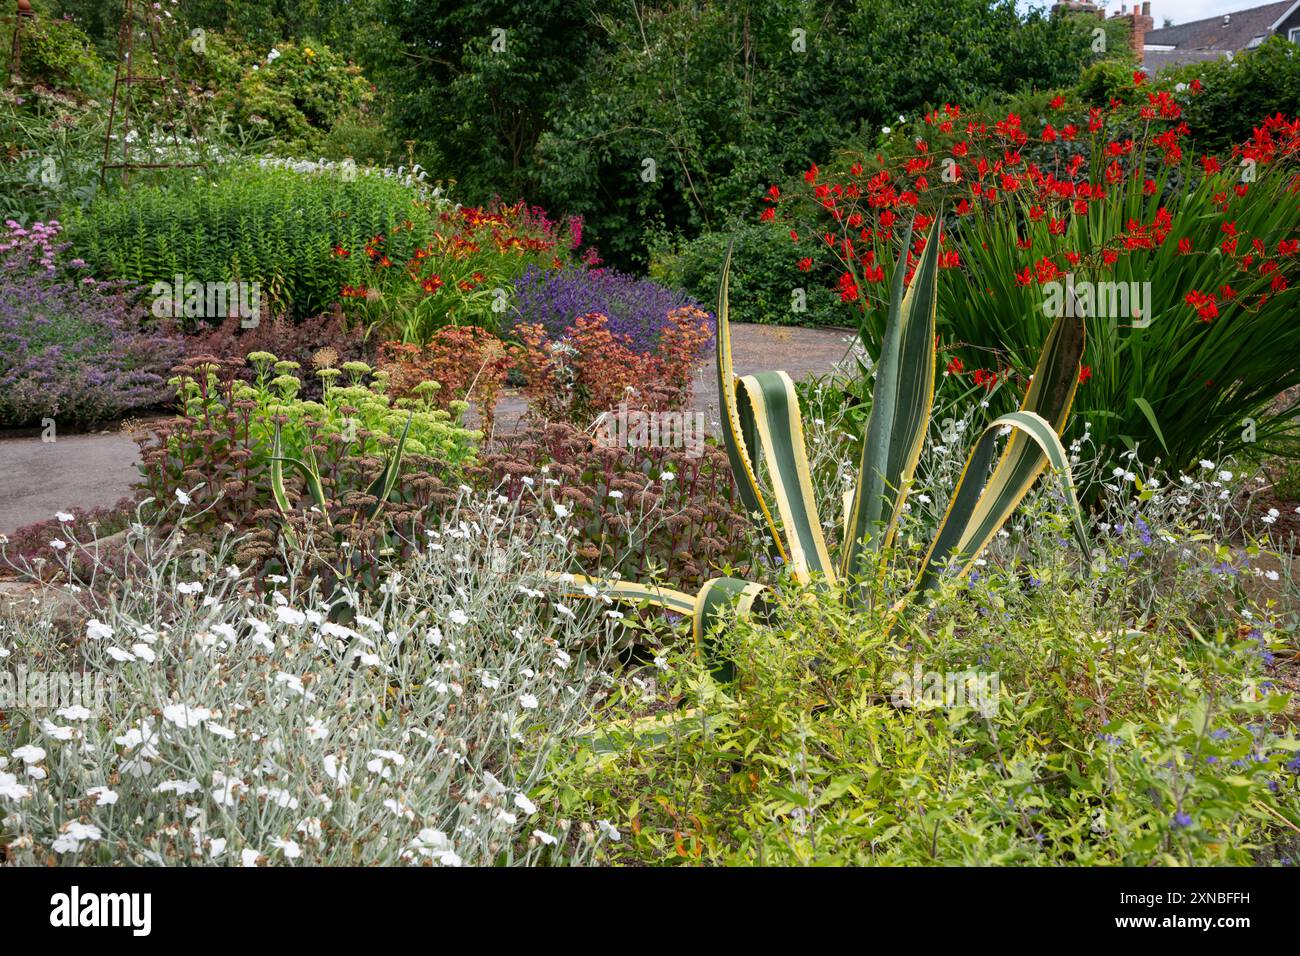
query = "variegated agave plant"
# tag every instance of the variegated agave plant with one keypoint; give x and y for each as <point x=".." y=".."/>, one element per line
<point x="762" y="418"/>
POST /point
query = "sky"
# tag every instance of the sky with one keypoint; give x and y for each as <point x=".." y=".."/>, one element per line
<point x="1179" y="11"/>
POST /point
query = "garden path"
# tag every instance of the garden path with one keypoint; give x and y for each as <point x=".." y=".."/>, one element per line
<point x="95" y="470"/>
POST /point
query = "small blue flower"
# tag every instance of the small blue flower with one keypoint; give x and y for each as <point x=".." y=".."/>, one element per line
<point x="1181" y="820"/>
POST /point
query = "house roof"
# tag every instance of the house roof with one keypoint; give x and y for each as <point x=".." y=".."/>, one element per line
<point x="1213" y="34"/>
<point x="1153" y="61"/>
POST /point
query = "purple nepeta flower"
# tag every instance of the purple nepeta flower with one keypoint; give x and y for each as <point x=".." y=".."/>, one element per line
<point x="71" y="349"/>
<point x="636" y="308"/>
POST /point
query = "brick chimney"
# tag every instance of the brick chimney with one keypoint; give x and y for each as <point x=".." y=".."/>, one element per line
<point x="1140" y="24"/>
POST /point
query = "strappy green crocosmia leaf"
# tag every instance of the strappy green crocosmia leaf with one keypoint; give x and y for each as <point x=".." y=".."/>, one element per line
<point x="900" y="411"/>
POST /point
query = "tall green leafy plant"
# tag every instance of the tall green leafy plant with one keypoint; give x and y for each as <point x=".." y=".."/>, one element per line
<point x="279" y="226"/>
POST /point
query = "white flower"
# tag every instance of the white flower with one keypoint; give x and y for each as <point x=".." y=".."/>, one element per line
<point x="290" y="615"/>
<point x="524" y="804"/>
<point x="458" y="616"/>
<point x="220" y="731"/>
<point x="103" y="796"/>
<point x="435" y="844"/>
<point x="248" y="857"/>
<point x="55" y="731"/>
<point x="74" y="834"/>
<point x="290" y="848"/>
<point x="1273" y="515"/>
<point x="616" y="494"/>
<point x="75" y="712"/>
<point x="528" y="702"/>
<point x="144" y="652"/>
<point x="29" y="754"/>
<point x="11" y="789"/>
<point x="184" y="716"/>
<point x="545" y="837"/>
<point x="182" y="497"/>
<point x="562" y="511"/>
<point x="64" y="517"/>
<point x="1225" y="476"/>
<point x="191" y="587"/>
<point x="217" y="848"/>
<point x="58" y="545"/>
<point x="119" y="655"/>
<point x="1207" y="464"/>
<point x="609" y="830"/>
<point x="666" y="476"/>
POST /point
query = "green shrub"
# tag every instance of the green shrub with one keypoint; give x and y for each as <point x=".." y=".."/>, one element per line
<point x="279" y="226"/>
<point x="764" y="277"/>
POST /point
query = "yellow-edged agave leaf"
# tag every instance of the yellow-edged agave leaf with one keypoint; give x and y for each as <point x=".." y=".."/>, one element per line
<point x="382" y="486"/>
<point x="715" y="601"/>
<point x="707" y="609"/>
<point x="577" y="585"/>
<point x="979" y="507"/>
<point x="771" y="404"/>
<point x="738" y="435"/>
<point x="902" y="400"/>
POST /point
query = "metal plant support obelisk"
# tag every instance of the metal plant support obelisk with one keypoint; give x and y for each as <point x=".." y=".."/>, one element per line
<point x="23" y="16"/>
<point x="126" y="115"/>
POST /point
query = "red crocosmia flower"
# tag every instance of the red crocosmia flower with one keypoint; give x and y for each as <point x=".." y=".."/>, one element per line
<point x="955" y="366"/>
<point x="1049" y="134"/>
<point x="1085" y="373"/>
<point x="848" y="288"/>
<point x="805" y="264"/>
<point x="768" y="215"/>
<point x="1047" y="270"/>
<point x="1210" y="165"/>
<point x="960" y="149"/>
<point x="1279" y="282"/>
<point x="962" y="207"/>
<point x="811" y="175"/>
<point x="1036" y="213"/>
<point x="855" y="169"/>
<point x="950" y="259"/>
<point x="774" y="192"/>
<point x="1081" y="207"/>
<point x="1204" y="303"/>
<point x="1149" y="187"/>
<point x="1025" y="276"/>
<point x="985" y="379"/>
<point x="1184" y="246"/>
<point x="1195" y="86"/>
<point x="1241" y="189"/>
<point x="1057" y="103"/>
<point x="1288" y="247"/>
<point x="1056" y="227"/>
<point x="1073" y="258"/>
<point x="385" y="261"/>
<point x="1227" y="292"/>
<point x="794" y="236"/>
<point x="1229" y="227"/>
<point x="1110" y="257"/>
<point x="1139" y="77"/>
